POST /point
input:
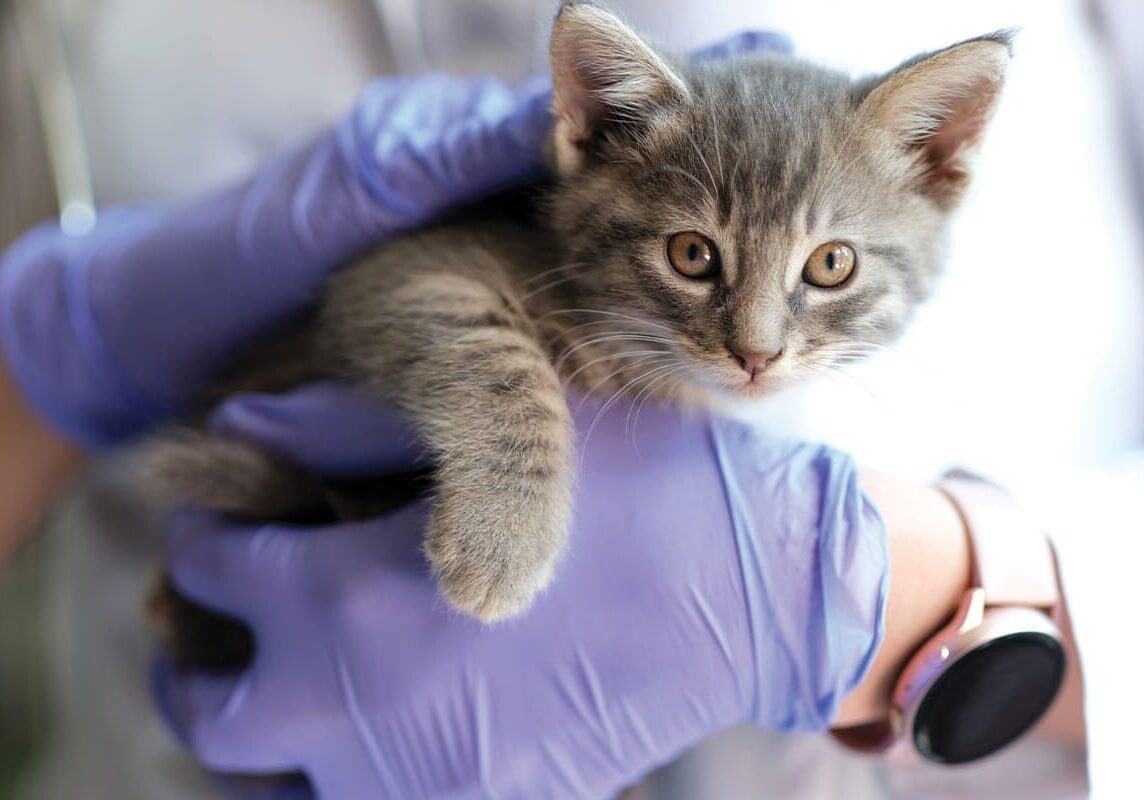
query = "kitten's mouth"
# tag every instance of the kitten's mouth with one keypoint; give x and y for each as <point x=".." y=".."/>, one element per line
<point x="740" y="384"/>
<point x="755" y="387"/>
<point x="756" y="383"/>
<point x="748" y="387"/>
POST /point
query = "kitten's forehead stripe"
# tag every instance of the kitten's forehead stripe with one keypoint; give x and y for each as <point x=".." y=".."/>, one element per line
<point x="725" y="202"/>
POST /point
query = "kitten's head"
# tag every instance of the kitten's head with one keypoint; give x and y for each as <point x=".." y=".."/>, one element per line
<point x="757" y="218"/>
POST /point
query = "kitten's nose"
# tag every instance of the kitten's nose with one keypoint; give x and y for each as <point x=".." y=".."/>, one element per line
<point x="754" y="362"/>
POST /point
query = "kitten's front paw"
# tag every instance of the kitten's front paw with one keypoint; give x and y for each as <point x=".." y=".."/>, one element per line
<point x="493" y="554"/>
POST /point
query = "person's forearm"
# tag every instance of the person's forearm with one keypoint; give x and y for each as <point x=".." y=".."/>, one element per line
<point x="35" y="462"/>
<point x="930" y="571"/>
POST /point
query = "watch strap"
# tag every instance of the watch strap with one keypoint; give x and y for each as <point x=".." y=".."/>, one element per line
<point x="1012" y="559"/>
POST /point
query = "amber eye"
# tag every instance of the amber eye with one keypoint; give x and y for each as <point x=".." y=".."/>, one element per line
<point x="693" y="255"/>
<point x="830" y="265"/>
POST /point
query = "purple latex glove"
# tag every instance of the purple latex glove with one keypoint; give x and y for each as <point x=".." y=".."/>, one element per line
<point x="111" y="332"/>
<point x="715" y="576"/>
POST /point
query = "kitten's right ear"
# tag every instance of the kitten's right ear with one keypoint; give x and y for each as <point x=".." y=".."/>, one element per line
<point x="937" y="106"/>
<point x="602" y="73"/>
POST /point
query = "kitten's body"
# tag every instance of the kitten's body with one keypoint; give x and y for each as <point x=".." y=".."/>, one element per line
<point x="474" y="330"/>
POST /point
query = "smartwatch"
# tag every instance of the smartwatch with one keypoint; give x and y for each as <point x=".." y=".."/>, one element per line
<point x="987" y="677"/>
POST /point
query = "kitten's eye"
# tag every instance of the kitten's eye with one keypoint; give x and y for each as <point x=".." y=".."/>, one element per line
<point x="693" y="255"/>
<point x="830" y="265"/>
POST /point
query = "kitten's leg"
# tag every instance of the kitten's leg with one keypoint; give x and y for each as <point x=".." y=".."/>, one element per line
<point x="467" y="368"/>
<point x="227" y="476"/>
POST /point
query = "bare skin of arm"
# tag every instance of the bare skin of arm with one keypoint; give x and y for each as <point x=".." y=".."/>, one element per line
<point x="931" y="569"/>
<point x="35" y="463"/>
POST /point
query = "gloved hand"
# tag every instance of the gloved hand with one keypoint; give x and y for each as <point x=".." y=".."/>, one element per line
<point x="111" y="332"/>
<point x="715" y="576"/>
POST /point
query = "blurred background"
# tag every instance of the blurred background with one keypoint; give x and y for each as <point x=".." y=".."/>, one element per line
<point x="1029" y="365"/>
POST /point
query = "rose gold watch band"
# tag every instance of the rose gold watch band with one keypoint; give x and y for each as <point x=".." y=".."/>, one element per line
<point x="1012" y="559"/>
<point x="1013" y="590"/>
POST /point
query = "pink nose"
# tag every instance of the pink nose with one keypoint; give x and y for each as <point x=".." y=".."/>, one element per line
<point x="754" y="362"/>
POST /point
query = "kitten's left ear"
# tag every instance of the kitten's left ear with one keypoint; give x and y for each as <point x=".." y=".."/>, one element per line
<point x="602" y="74"/>
<point x="937" y="106"/>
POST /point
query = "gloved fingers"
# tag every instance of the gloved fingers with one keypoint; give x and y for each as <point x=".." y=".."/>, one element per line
<point x="227" y="567"/>
<point x="333" y="429"/>
<point x="232" y="568"/>
<point x="265" y="787"/>
<point x="340" y="781"/>
<point x="217" y="717"/>
<point x="421" y="147"/>
<point x="743" y="43"/>
<point x="358" y="770"/>
<point x="499" y="145"/>
<point x="349" y="561"/>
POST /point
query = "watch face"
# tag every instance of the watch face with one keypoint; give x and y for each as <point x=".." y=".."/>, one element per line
<point x="989" y="697"/>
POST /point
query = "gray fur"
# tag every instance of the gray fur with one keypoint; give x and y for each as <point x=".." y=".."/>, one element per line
<point x="475" y="330"/>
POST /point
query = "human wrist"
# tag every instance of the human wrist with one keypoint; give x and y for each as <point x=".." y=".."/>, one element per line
<point x="35" y="461"/>
<point x="930" y="565"/>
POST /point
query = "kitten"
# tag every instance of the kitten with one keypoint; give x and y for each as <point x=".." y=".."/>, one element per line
<point x="718" y="229"/>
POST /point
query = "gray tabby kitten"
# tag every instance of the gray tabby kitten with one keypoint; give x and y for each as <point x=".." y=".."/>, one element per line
<point x="713" y="230"/>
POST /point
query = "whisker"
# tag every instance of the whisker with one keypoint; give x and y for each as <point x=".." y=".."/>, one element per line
<point x="680" y="171"/>
<point x="738" y="166"/>
<point x="610" y="402"/>
<point x="645" y="394"/>
<point x="638" y="365"/>
<point x="561" y="268"/>
<point x="550" y="285"/>
<point x="669" y="396"/>
<point x="610" y="357"/>
<point x="604" y="338"/>
<point x="671" y="393"/>
<point x="832" y="369"/>
<point x="695" y="146"/>
<point x="609" y="337"/>
<point x="592" y="323"/>
<point x="862" y="343"/>
<point x="607" y="313"/>
<point x="718" y="149"/>
<point x="854" y="355"/>
<point x="821" y="372"/>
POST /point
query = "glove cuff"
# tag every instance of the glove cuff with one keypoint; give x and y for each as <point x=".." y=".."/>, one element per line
<point x="822" y="544"/>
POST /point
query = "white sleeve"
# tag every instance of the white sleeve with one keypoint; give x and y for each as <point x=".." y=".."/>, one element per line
<point x="1096" y="518"/>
